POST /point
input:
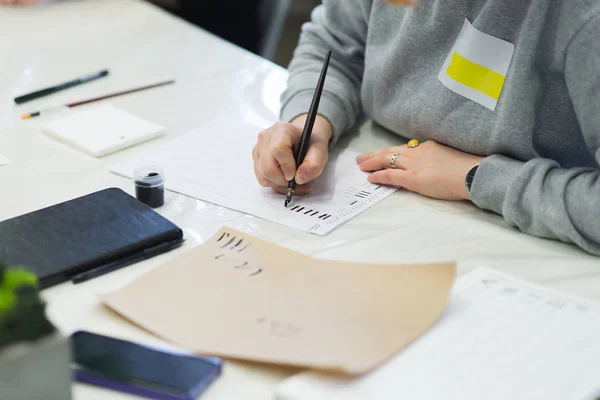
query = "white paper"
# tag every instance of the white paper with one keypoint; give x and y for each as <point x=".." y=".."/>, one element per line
<point x="101" y="130"/>
<point x="4" y="160"/>
<point x="214" y="163"/>
<point x="500" y="338"/>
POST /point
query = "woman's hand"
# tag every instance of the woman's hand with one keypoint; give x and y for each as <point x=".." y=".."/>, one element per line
<point x="431" y="169"/>
<point x="273" y="155"/>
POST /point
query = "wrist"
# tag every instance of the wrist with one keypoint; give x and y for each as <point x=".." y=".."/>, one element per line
<point x="322" y="128"/>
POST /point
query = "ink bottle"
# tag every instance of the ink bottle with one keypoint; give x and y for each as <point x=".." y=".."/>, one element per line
<point x="150" y="185"/>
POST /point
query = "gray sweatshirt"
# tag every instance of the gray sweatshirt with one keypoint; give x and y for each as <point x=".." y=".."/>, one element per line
<point x="542" y="139"/>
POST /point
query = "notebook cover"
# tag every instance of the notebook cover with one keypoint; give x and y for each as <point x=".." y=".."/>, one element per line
<point x="75" y="236"/>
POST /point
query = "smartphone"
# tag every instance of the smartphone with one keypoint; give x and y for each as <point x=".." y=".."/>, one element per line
<point x="140" y="370"/>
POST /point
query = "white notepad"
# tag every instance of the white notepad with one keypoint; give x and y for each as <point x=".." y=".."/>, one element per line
<point x="102" y="130"/>
<point x="500" y="338"/>
<point x="214" y="163"/>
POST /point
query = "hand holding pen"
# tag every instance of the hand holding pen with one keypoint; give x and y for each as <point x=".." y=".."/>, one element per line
<point x="280" y="162"/>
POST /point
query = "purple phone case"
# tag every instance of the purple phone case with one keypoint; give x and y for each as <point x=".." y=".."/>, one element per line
<point x="96" y="380"/>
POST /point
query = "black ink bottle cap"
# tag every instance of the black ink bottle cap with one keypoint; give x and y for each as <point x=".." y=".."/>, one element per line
<point x="150" y="185"/>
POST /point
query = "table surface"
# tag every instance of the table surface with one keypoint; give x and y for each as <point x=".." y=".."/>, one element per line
<point x="142" y="44"/>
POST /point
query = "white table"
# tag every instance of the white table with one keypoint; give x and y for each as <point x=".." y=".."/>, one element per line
<point x="141" y="44"/>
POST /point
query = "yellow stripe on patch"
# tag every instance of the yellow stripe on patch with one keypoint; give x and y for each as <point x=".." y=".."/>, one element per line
<point x="476" y="76"/>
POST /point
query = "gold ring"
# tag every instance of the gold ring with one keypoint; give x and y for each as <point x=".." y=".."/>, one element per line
<point x="393" y="160"/>
<point x="413" y="143"/>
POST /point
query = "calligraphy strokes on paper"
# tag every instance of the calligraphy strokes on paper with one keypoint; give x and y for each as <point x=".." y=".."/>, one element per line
<point x="229" y="242"/>
<point x="239" y="246"/>
<point x="238" y="263"/>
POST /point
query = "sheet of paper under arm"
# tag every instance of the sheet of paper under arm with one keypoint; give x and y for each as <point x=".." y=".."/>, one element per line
<point x="239" y="297"/>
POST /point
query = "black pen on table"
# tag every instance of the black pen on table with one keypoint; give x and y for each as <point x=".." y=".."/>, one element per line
<point x="57" y="88"/>
<point x="308" y="126"/>
<point x="126" y="261"/>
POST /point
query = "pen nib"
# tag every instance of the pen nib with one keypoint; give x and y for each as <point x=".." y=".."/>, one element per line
<point x="288" y="197"/>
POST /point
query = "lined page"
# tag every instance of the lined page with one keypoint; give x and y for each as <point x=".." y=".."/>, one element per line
<point x="500" y="338"/>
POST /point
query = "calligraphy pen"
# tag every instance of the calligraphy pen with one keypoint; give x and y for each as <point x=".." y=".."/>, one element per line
<point x="107" y="96"/>
<point x="308" y="126"/>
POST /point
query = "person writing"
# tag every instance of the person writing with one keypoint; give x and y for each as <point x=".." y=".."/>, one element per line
<point x="501" y="97"/>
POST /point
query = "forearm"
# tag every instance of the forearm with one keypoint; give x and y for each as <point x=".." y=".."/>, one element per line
<point x="542" y="199"/>
<point x="341" y="28"/>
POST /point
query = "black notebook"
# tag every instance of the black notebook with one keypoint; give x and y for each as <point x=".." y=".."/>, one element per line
<point x="82" y="234"/>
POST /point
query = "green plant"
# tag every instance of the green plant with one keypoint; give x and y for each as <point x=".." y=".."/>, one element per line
<point x="22" y="311"/>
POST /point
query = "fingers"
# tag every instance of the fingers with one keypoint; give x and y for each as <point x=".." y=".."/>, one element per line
<point x="382" y="162"/>
<point x="270" y="169"/>
<point x="391" y="177"/>
<point x="274" y="162"/>
<point x="300" y="190"/>
<point x="261" y="179"/>
<point x="281" y="144"/>
<point x="381" y="159"/>
<point x="276" y="159"/>
<point x="389" y="150"/>
<point x="365" y="156"/>
<point x="314" y="161"/>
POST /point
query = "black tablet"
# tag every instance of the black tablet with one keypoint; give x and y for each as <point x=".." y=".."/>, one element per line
<point x="67" y="239"/>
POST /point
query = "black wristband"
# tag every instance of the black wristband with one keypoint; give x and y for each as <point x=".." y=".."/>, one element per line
<point x="470" y="177"/>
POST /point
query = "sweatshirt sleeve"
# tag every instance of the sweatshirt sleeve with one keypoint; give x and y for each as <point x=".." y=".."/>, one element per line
<point x="339" y="26"/>
<point x="539" y="196"/>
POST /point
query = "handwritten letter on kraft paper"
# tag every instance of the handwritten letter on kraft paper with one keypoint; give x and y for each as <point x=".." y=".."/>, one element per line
<point x="239" y="297"/>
